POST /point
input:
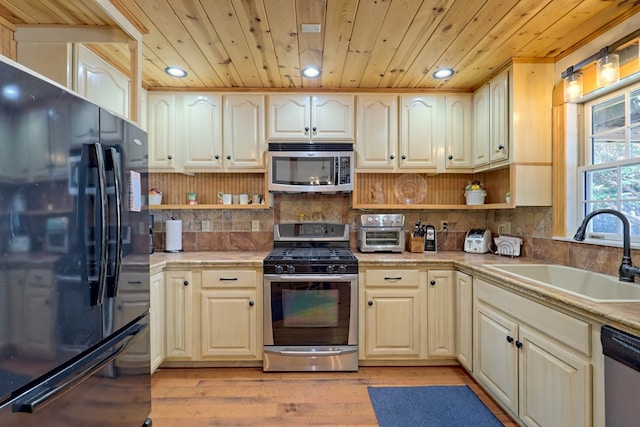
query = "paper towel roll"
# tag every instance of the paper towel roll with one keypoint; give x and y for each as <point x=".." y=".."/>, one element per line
<point x="173" y="236"/>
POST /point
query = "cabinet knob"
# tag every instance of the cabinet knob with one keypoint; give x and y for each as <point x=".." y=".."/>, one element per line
<point x="519" y="344"/>
<point x="500" y="147"/>
<point x="370" y="302"/>
<point x="251" y="303"/>
<point x="228" y="156"/>
<point x="306" y="131"/>
<point x="403" y="157"/>
<point x="169" y="157"/>
<point x="315" y="130"/>
<point x="392" y="157"/>
<point x="450" y="157"/>
<point x="433" y="282"/>
<point x="509" y="339"/>
<point x="217" y="157"/>
<point x="185" y="283"/>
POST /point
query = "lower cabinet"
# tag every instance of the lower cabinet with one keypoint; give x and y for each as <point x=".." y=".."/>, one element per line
<point x="157" y="320"/>
<point x="229" y="315"/>
<point x="39" y="313"/>
<point x="464" y="319"/>
<point x="212" y="315"/>
<point x="534" y="360"/>
<point x="406" y="314"/>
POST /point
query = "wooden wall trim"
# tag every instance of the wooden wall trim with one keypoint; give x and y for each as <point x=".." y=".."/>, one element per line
<point x="559" y="170"/>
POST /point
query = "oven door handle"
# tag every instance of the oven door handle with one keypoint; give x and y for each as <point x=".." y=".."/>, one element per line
<point x="310" y="277"/>
<point x="311" y="353"/>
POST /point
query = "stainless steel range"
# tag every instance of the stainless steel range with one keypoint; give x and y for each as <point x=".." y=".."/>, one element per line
<point x="311" y="299"/>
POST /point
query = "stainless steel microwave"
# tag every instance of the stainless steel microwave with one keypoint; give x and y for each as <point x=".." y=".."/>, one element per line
<point x="310" y="167"/>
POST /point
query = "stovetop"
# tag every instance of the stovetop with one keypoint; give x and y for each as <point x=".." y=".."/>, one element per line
<point x="311" y="248"/>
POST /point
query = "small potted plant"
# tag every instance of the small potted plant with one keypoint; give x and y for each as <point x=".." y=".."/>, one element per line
<point x="475" y="193"/>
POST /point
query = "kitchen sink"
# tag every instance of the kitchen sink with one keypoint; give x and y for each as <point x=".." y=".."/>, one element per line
<point x="594" y="286"/>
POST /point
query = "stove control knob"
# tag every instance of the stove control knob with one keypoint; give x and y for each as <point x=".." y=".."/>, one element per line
<point x="279" y="269"/>
<point x="342" y="269"/>
<point x="330" y="269"/>
<point x="291" y="269"/>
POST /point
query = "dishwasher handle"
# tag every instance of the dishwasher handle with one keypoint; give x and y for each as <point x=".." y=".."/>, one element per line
<point x="621" y="346"/>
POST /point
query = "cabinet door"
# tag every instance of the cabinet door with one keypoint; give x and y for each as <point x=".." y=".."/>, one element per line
<point x="162" y="132"/>
<point x="332" y="117"/>
<point x="421" y="119"/>
<point x="101" y="83"/>
<point x="229" y="323"/>
<point x="499" y="94"/>
<point x="555" y="385"/>
<point x="496" y="356"/>
<point x="392" y="323"/>
<point x="440" y="313"/>
<point x="464" y="322"/>
<point x="244" y="132"/>
<point x="129" y="305"/>
<point x="157" y="320"/>
<point x="377" y="135"/>
<point x="202" y="127"/>
<point x="38" y="321"/>
<point x="179" y="321"/>
<point x="458" y="131"/>
<point x="289" y="117"/>
<point x="481" y="126"/>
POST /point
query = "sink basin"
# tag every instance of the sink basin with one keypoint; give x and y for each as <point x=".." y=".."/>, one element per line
<point x="594" y="286"/>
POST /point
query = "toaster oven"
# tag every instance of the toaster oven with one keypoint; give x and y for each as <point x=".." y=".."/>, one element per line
<point x="381" y="233"/>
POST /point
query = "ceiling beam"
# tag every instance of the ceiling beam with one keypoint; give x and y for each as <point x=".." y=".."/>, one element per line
<point x="69" y="34"/>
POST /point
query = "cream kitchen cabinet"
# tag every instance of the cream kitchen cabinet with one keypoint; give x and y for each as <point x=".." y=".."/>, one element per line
<point x="393" y="310"/>
<point x="39" y="313"/>
<point x="202" y="131"/>
<point x="464" y="319"/>
<point x="533" y="360"/>
<point x="230" y="327"/>
<point x="132" y="299"/>
<point x="440" y="313"/>
<point x="377" y="132"/>
<point x="181" y="289"/>
<point x="311" y="117"/>
<point x="491" y="121"/>
<point x="163" y="131"/>
<point x="244" y="133"/>
<point x="157" y="320"/>
<point x="421" y="131"/>
<point x="458" y="132"/>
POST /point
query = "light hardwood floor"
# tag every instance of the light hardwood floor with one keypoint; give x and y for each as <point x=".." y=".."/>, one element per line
<point x="250" y="397"/>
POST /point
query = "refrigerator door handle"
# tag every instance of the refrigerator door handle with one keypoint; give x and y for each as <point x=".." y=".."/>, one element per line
<point x="46" y="393"/>
<point x="93" y="270"/>
<point x="114" y="266"/>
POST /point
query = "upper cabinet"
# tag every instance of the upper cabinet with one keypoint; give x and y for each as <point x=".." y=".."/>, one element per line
<point x="214" y="133"/>
<point x="311" y="117"/>
<point x="432" y="132"/>
<point x="491" y="121"/>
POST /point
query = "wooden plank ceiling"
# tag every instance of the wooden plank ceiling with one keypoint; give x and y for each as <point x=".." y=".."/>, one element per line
<point x="258" y="44"/>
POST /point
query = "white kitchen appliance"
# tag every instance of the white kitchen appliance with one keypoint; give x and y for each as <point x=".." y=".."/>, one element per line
<point x="478" y="241"/>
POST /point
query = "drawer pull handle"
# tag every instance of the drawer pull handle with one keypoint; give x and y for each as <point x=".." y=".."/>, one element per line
<point x="393" y="278"/>
<point x="228" y="279"/>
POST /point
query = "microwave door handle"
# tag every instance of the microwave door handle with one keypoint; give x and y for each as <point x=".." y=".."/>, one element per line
<point x="92" y="159"/>
<point x="112" y="164"/>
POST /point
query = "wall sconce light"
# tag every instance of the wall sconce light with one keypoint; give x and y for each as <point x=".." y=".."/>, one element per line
<point x="573" y="86"/>
<point x="608" y="68"/>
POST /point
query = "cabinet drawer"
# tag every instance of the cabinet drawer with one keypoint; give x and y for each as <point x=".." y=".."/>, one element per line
<point x="39" y="277"/>
<point x="392" y="278"/>
<point x="566" y="329"/>
<point x="229" y="278"/>
<point x="132" y="282"/>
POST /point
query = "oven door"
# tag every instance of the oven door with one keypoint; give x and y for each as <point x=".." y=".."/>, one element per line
<point x="381" y="239"/>
<point x="311" y="320"/>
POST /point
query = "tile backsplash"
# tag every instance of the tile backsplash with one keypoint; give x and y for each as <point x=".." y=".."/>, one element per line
<point x="232" y="229"/>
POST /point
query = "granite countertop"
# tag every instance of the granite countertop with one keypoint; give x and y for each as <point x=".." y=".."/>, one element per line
<point x="624" y="315"/>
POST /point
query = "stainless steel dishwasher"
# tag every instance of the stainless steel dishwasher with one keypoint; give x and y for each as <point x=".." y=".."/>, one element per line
<point x="621" y="377"/>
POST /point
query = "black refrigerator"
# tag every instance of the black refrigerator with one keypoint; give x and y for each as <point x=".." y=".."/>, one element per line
<point x="74" y="260"/>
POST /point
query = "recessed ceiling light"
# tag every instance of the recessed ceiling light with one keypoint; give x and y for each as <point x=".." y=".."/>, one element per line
<point x="175" y="72"/>
<point x="311" y="72"/>
<point x="443" y="73"/>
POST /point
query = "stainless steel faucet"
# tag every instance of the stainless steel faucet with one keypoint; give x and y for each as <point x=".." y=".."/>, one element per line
<point x="627" y="271"/>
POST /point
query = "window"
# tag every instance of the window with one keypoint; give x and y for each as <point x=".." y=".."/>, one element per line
<point x="609" y="175"/>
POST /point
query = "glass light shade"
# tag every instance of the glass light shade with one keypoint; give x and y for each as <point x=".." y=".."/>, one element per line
<point x="443" y="73"/>
<point x="175" y="72"/>
<point x="608" y="69"/>
<point x="311" y="72"/>
<point x="573" y="87"/>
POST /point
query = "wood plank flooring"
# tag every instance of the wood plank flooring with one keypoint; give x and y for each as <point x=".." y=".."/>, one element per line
<point x="249" y="397"/>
